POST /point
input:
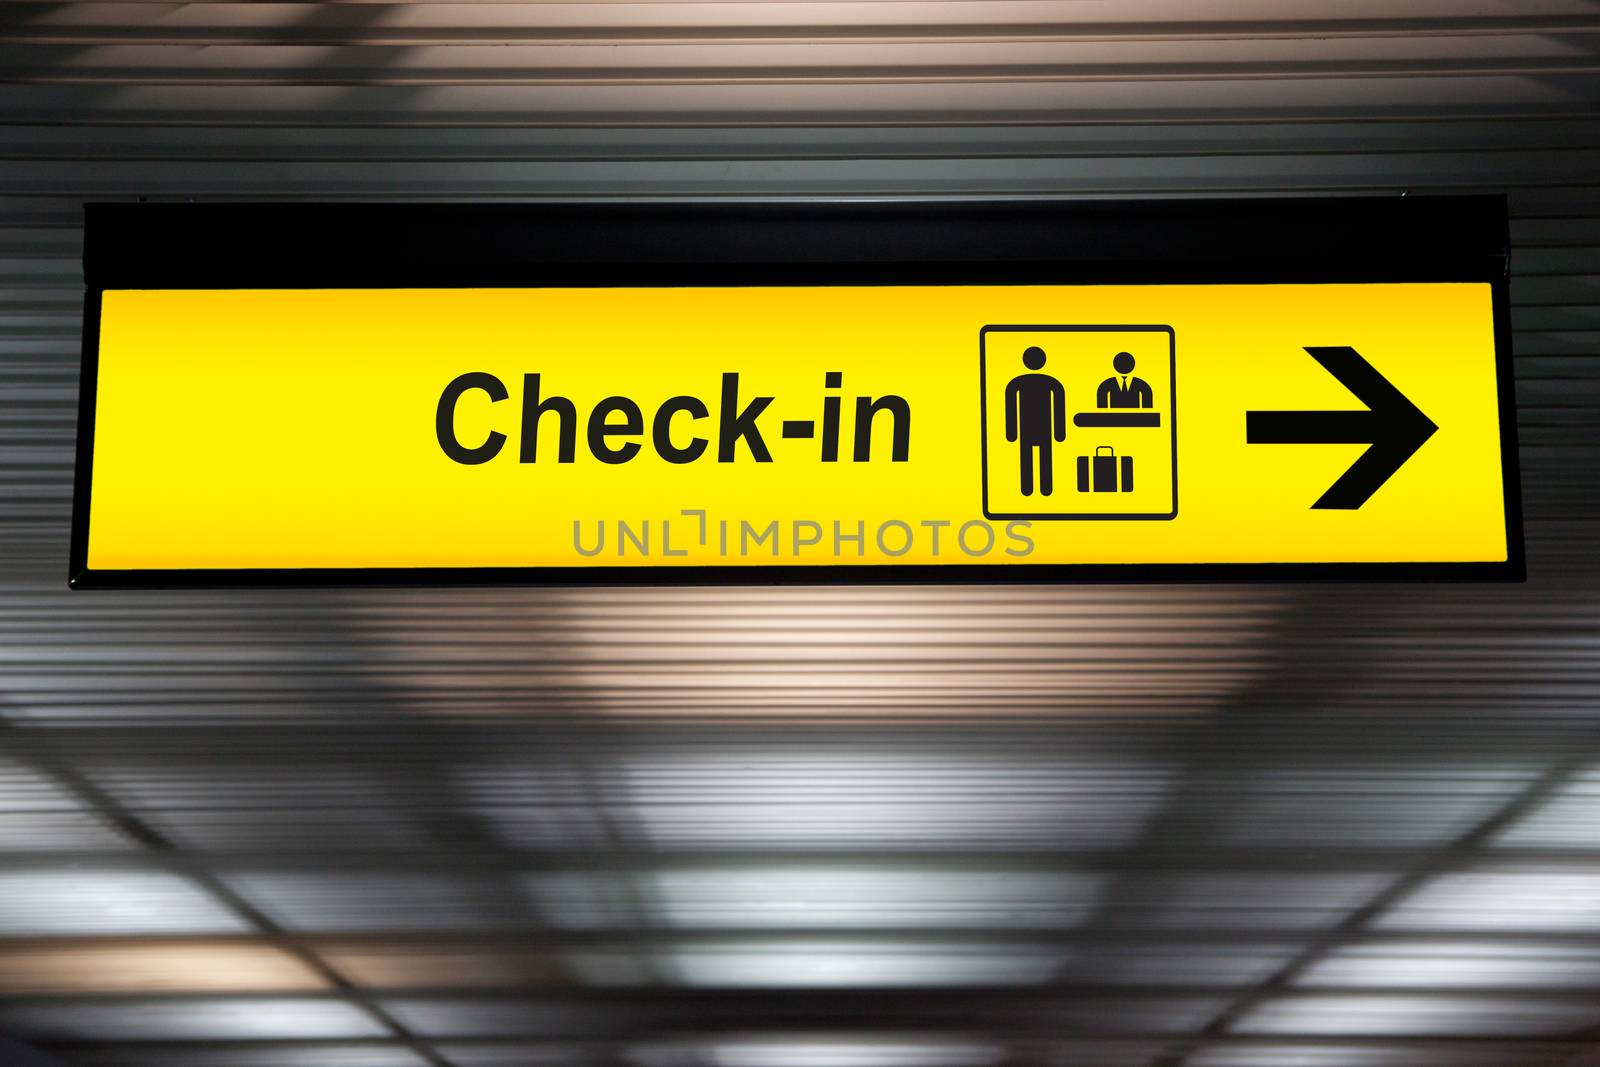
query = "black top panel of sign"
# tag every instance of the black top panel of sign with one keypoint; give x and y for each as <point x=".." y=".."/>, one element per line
<point x="408" y="245"/>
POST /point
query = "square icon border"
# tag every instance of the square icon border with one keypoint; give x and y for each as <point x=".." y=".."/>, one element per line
<point x="983" y="419"/>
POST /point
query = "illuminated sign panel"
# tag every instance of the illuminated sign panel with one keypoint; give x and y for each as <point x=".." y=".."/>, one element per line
<point x="712" y="419"/>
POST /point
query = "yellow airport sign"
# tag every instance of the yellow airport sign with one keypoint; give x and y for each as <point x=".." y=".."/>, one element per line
<point x="1011" y="430"/>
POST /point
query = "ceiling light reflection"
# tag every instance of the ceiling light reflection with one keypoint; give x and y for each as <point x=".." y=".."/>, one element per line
<point x="152" y="968"/>
<point x="799" y="896"/>
<point x="189" y="1019"/>
<point x="840" y="795"/>
<point x="1569" y="819"/>
<point x="89" y="901"/>
<point x="863" y="964"/>
<point x="1509" y="899"/>
<point x="819" y="1051"/>
<point x="265" y="1054"/>
<point x="1403" y="1015"/>
<point x="1458" y="965"/>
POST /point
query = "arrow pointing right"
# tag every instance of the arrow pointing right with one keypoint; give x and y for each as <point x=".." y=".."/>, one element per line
<point x="1392" y="425"/>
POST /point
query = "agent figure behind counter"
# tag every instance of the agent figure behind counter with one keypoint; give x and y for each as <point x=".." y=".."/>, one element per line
<point x="1121" y="390"/>
<point x="1036" y="414"/>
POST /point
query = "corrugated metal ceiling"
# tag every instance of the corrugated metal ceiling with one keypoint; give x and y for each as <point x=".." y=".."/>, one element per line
<point x="1077" y="827"/>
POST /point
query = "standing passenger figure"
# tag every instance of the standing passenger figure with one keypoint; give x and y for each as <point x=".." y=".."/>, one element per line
<point x="1036" y="414"/>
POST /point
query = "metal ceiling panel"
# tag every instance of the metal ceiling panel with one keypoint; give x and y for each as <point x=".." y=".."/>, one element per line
<point x="1074" y="827"/>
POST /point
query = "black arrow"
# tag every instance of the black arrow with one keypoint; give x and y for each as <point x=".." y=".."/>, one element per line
<point x="1392" y="425"/>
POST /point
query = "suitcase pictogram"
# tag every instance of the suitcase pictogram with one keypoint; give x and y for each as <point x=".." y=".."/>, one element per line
<point x="1099" y="473"/>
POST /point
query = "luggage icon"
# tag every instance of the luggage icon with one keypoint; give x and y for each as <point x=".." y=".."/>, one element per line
<point x="1104" y="468"/>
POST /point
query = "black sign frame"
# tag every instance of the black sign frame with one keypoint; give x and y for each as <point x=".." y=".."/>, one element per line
<point x="915" y="242"/>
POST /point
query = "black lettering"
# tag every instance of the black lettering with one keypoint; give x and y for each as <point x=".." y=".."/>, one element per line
<point x="830" y="418"/>
<point x="866" y="409"/>
<point x="661" y="430"/>
<point x="633" y="423"/>
<point x="742" y="425"/>
<point x="444" y="423"/>
<point x="533" y="409"/>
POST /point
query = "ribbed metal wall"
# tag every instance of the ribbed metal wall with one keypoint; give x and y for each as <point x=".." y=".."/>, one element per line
<point x="1212" y="826"/>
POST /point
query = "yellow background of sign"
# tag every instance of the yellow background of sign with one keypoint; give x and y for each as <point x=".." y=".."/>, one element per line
<point x="295" y="428"/>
